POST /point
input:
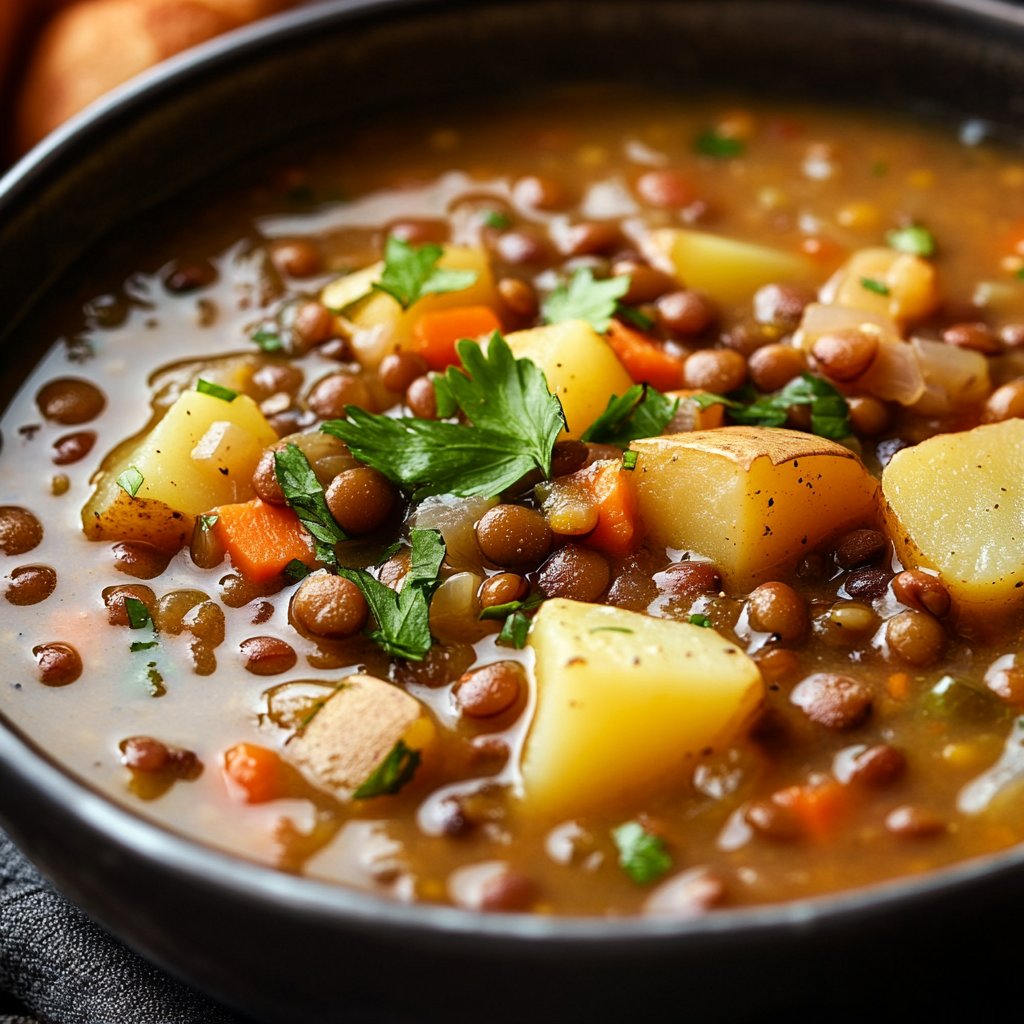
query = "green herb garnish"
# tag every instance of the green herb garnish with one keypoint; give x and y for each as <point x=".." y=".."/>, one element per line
<point x="267" y="341"/>
<point x="872" y="284"/>
<point x="634" y="316"/>
<point x="496" y="219"/>
<point x="207" y="522"/>
<point x="403" y="618"/>
<point x="137" y="613"/>
<point x="130" y="481"/>
<point x="443" y="397"/>
<point x="721" y="147"/>
<point x="513" y="424"/>
<point x="830" y="415"/>
<point x="629" y="459"/>
<point x="643" y="856"/>
<point x="207" y="387"/>
<point x="515" y="631"/>
<point x="583" y="298"/>
<point x="611" y="629"/>
<point x="410" y="272"/>
<point x="304" y="494"/>
<point x="641" y="411"/>
<point x="700" y="620"/>
<point x="1019" y="274"/>
<point x="916" y="240"/>
<point x="296" y="570"/>
<point x="391" y="774"/>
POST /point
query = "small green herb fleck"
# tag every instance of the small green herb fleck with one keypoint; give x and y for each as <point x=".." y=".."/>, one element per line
<point x="207" y="387"/>
<point x="583" y="298"/>
<point x="410" y="272"/>
<point x="130" y="481"/>
<point x="629" y="460"/>
<point x="391" y="774"/>
<point x="143" y="645"/>
<point x="700" y="620"/>
<point x="267" y="341"/>
<point x="643" y="856"/>
<point x="496" y="219"/>
<point x="500" y="611"/>
<point x="137" y="613"/>
<point x="207" y="522"/>
<point x="872" y="284"/>
<point x="296" y="570"/>
<point x="515" y="631"/>
<point x="879" y="168"/>
<point x="721" y="147"/>
<point x="610" y="629"/>
<point x="634" y="316"/>
<point x="914" y="239"/>
<point x="154" y="680"/>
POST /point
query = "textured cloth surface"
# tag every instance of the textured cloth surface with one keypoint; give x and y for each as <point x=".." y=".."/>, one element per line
<point x="65" y="970"/>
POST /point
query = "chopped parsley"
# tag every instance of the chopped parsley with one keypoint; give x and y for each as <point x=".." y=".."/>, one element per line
<point x="515" y="630"/>
<point x="873" y="285"/>
<point x="641" y="411"/>
<point x="130" y="481"/>
<point x="137" y="613"/>
<point x="496" y="219"/>
<point x="267" y="341"/>
<point x="642" y="855"/>
<point x="207" y="522"/>
<point x="1019" y="274"/>
<point x="629" y="460"/>
<point x="513" y="424"/>
<point x="611" y="629"/>
<point x="583" y="298"/>
<point x="700" y="620"/>
<point x="634" y="316"/>
<point x="916" y="240"/>
<point x="403" y="617"/>
<point x="830" y="415"/>
<point x="391" y="774"/>
<point x="207" y="387"/>
<point x="411" y="271"/>
<point x="296" y="570"/>
<point x="304" y="494"/>
<point x="719" y="146"/>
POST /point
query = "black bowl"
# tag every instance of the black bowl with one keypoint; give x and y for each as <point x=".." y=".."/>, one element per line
<point x="291" y="949"/>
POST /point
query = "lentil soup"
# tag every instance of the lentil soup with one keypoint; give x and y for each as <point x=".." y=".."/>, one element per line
<point x="690" y="580"/>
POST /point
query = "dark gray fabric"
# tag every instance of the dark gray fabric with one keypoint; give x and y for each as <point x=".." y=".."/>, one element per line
<point x="65" y="970"/>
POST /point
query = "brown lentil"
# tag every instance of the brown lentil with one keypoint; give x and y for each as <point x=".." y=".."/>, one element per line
<point x="771" y="367"/>
<point x="329" y="606"/>
<point x="868" y="583"/>
<point x="20" y="530"/>
<point x="512" y="535"/>
<point x="845" y="355"/>
<point x="832" y="700"/>
<point x="921" y="591"/>
<point x="719" y="370"/>
<point x="665" y="189"/>
<point x="858" y="547"/>
<point x="540" y="192"/>
<point x="688" y="579"/>
<point x="977" y="337"/>
<point x="518" y="297"/>
<point x="330" y="395"/>
<point x="297" y="258"/>
<point x="575" y="572"/>
<point x="878" y="766"/>
<point x="778" y="609"/>
<point x="915" y="637"/>
<point x="399" y="369"/>
<point x="143" y="561"/>
<point x="59" y="663"/>
<point x="490" y="690"/>
<point x="1005" y="403"/>
<point x="267" y="655"/>
<point x="502" y="588"/>
<point x="114" y="599"/>
<point x="911" y="822"/>
<point x="421" y="398"/>
<point x="646" y="283"/>
<point x="30" y="584"/>
<point x="593" y="238"/>
<point x="70" y="401"/>
<point x="685" y="312"/>
<point x="361" y="499"/>
<point x="781" y="305"/>
<point x="72" y="447"/>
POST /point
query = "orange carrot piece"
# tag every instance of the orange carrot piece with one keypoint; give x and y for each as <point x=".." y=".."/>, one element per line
<point x="692" y="416"/>
<point x="261" y="538"/>
<point x="618" y="529"/>
<point x="898" y="685"/>
<point x="254" y="772"/>
<point x="643" y="359"/>
<point x="435" y="333"/>
<point x="820" y="808"/>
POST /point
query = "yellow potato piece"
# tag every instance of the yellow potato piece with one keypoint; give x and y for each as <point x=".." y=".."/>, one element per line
<point x="355" y="730"/>
<point x="886" y="282"/>
<point x="378" y="322"/>
<point x="201" y="454"/>
<point x="955" y="504"/>
<point x="752" y="499"/>
<point x="625" y="702"/>
<point x="580" y="368"/>
<point x="727" y="270"/>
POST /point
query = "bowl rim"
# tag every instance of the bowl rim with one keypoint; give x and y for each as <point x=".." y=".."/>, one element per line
<point x="173" y="853"/>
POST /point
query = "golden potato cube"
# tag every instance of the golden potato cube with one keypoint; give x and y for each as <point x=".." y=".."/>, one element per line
<point x="200" y="454"/>
<point x="955" y="504"/>
<point x="377" y="321"/>
<point x="754" y="500"/>
<point x="580" y="367"/>
<point x="727" y="270"/>
<point x="350" y="736"/>
<point x="887" y="282"/>
<point x="625" y="703"/>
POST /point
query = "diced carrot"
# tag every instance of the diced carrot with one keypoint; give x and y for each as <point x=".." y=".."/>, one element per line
<point x="898" y="685"/>
<point x="618" y="529"/>
<point x="820" y="808"/>
<point x="262" y="538"/>
<point x="436" y="332"/>
<point x="692" y="417"/>
<point x="255" y="772"/>
<point x="644" y="360"/>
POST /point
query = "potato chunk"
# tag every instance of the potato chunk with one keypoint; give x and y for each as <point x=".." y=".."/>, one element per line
<point x="752" y="499"/>
<point x="624" y="701"/>
<point x="727" y="270"/>
<point x="580" y="367"/>
<point x="887" y="282"/>
<point x="955" y="503"/>
<point x="349" y="738"/>
<point x="201" y="454"/>
<point x="379" y="324"/>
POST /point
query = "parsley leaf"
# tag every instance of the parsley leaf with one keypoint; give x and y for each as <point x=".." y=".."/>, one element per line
<point x="830" y="415"/>
<point x="873" y="285"/>
<point x="304" y="494"/>
<point x="641" y="411"/>
<point x="700" y="620"/>
<point x="137" y="613"/>
<point x="296" y="570"/>
<point x="721" y="147"/>
<point x="130" y="481"/>
<point x="515" y="630"/>
<point x="583" y="298"/>
<point x="643" y="856"/>
<point x="629" y="460"/>
<point x="391" y="774"/>
<point x="207" y="387"/>
<point x="500" y="611"/>
<point x="914" y="239"/>
<point x="410" y="272"/>
<point x="267" y="341"/>
<point x="514" y="422"/>
<point x="403" y="618"/>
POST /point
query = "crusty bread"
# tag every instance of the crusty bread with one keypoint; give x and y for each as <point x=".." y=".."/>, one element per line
<point x="93" y="45"/>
